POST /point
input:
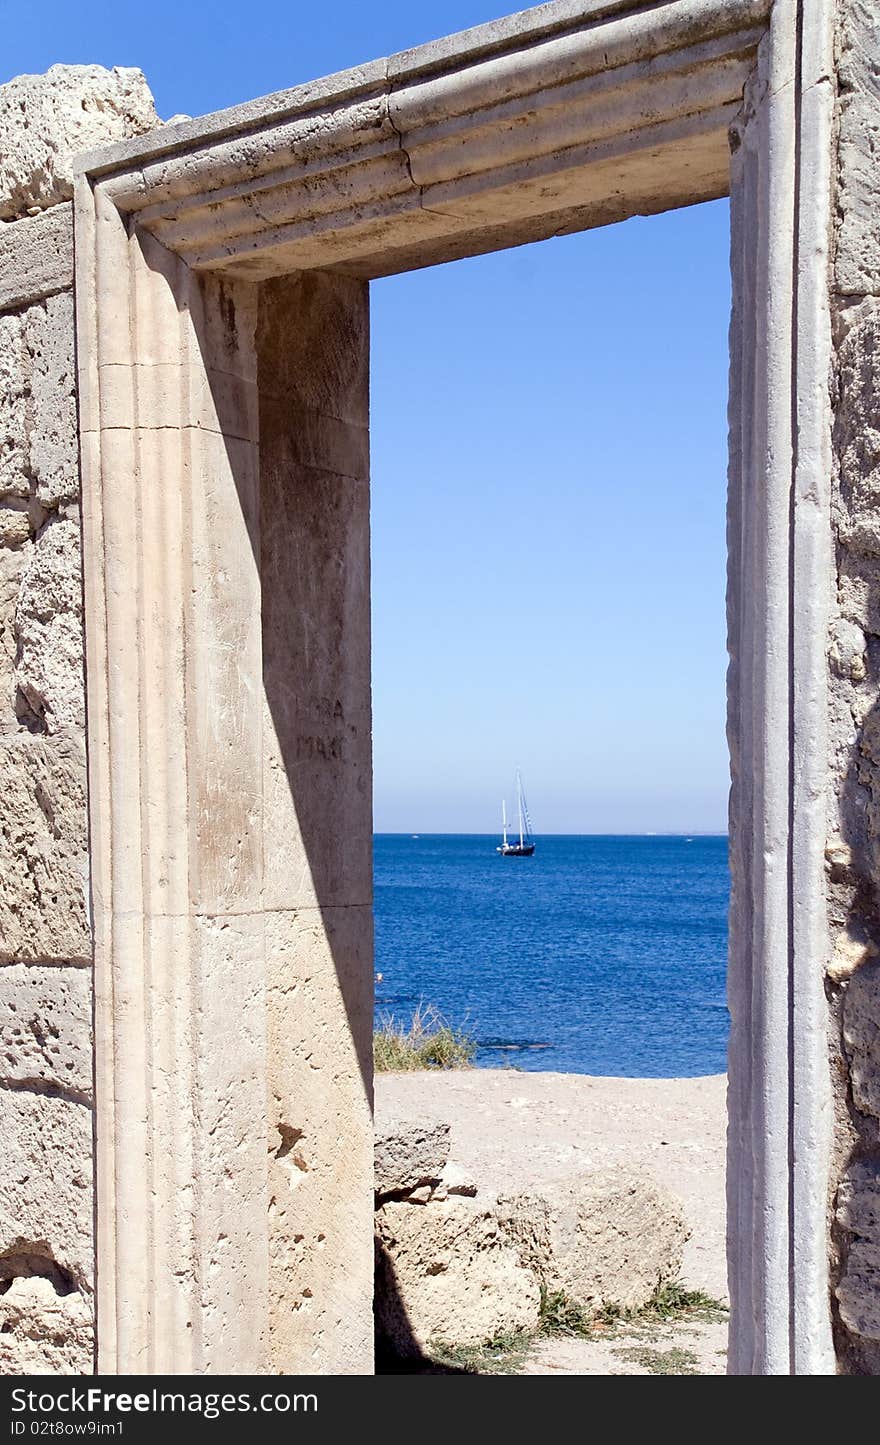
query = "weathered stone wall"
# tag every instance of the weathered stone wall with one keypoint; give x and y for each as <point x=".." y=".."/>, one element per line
<point x="46" y="1204"/>
<point x="853" y="853"/>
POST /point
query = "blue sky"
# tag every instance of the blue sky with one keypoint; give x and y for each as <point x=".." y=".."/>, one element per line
<point x="549" y="453"/>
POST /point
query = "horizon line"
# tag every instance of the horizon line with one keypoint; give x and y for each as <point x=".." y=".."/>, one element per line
<point x="470" y="833"/>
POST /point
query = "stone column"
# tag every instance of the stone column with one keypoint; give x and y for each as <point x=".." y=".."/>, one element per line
<point x="227" y="610"/>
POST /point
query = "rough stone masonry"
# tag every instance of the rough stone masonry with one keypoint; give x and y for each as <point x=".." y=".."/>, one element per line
<point x="46" y="1067"/>
<point x="853" y="853"/>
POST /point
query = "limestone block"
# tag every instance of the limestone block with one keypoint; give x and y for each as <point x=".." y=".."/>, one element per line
<point x="606" y="1237"/>
<point x="225" y="317"/>
<point x="14" y="371"/>
<point x="43" y="1332"/>
<point x="38" y="425"/>
<point x="230" y="1150"/>
<point x="858" y="1212"/>
<point x="43" y="849"/>
<point x="858" y="586"/>
<point x="857" y="262"/>
<point x="332" y="331"/>
<point x="48" y="119"/>
<point x="49" y="629"/>
<point x="857" y="436"/>
<point x="449" y="1271"/>
<point x="409" y="1153"/>
<point x="36" y="257"/>
<point x="312" y="342"/>
<point x="46" y="1188"/>
<point x="317" y="777"/>
<point x="49" y="331"/>
<point x="320" y="1014"/>
<point x="12" y="563"/>
<point x="861" y="1032"/>
<point x="46" y="1027"/>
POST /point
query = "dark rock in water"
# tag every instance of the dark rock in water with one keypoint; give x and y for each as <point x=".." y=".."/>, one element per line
<point x="510" y="1045"/>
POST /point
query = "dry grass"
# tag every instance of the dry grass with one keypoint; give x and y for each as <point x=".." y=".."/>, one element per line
<point x="661" y="1362"/>
<point x="669" y="1304"/>
<point x="426" y="1042"/>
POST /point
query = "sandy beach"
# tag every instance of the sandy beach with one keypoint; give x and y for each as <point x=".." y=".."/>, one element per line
<point x="512" y="1128"/>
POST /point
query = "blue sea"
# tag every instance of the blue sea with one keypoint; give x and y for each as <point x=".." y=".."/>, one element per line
<point x="599" y="955"/>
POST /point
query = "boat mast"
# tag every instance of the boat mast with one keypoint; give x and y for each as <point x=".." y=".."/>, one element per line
<point x="519" y="799"/>
<point x="504" y="820"/>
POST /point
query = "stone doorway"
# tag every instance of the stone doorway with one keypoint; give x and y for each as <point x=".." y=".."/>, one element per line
<point x="222" y="273"/>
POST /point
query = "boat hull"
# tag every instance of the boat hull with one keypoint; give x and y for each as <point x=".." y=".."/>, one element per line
<point x="515" y="850"/>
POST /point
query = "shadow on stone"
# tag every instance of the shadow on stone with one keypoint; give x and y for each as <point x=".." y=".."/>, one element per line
<point x="402" y="1355"/>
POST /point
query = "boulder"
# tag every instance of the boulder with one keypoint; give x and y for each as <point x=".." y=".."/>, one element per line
<point x="46" y="120"/>
<point x="448" y="1272"/>
<point x="461" y="1270"/>
<point x="409" y="1153"/>
<point x="609" y="1237"/>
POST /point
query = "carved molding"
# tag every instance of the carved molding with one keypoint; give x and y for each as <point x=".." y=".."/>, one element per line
<point x="595" y="113"/>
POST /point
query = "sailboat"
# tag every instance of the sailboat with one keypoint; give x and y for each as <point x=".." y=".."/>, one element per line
<point x="510" y="848"/>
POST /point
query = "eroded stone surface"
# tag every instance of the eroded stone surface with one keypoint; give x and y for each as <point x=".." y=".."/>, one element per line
<point x="49" y="629"/>
<point x="46" y="1188"/>
<point x="49" y="338"/>
<point x="48" y="119"/>
<point x="449" y="1271"/>
<point x="516" y="1132"/>
<point x="46" y="1027"/>
<point x="43" y="843"/>
<point x="861" y="1031"/>
<point x="853" y="857"/>
<point x="607" y="1237"/>
<point x="38" y="428"/>
<point x="464" y="1269"/>
<point x="409" y="1152"/>
<point x="320" y="1165"/>
<point x="857" y="265"/>
<point x="12" y="564"/>
<point x="14" y="387"/>
<point x="858" y="1213"/>
<point x="36" y="257"/>
<point x="44" y="1332"/>
<point x="857" y="429"/>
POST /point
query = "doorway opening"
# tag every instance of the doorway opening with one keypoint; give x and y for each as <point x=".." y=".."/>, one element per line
<point x="548" y="595"/>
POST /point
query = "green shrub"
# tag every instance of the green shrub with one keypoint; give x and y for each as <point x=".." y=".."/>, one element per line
<point x="426" y="1042"/>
